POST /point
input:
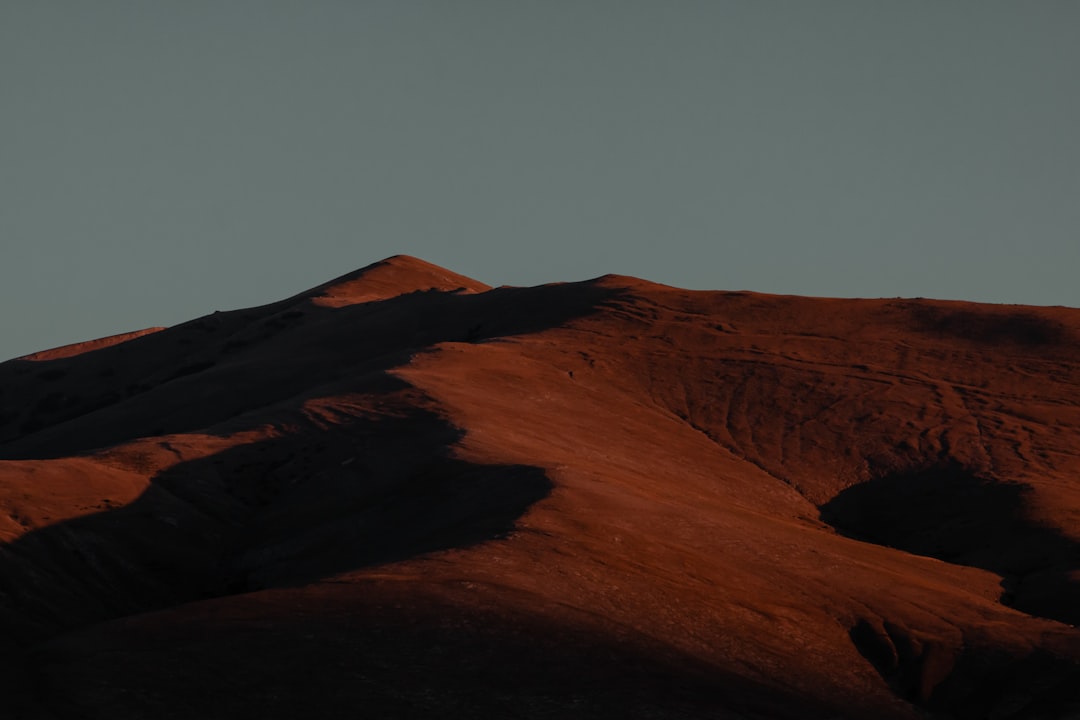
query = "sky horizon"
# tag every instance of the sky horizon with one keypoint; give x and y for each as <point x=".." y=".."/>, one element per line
<point x="164" y="160"/>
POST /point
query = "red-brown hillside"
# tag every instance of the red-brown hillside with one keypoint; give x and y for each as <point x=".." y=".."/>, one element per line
<point x="406" y="494"/>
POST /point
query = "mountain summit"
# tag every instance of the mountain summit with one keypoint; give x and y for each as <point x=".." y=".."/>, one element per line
<point x="406" y="494"/>
<point x="389" y="278"/>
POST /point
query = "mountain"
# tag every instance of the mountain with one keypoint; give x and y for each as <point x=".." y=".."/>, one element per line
<point x="406" y="494"/>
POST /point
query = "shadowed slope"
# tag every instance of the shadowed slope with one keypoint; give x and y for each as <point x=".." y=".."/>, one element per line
<point x="340" y="484"/>
<point x="301" y="394"/>
<point x="53" y="386"/>
<point x="207" y="371"/>
<point x="950" y="514"/>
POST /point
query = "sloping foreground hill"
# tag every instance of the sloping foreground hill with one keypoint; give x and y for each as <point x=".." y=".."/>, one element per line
<point x="406" y="494"/>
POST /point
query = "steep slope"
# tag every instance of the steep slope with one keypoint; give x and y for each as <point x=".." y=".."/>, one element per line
<point x="406" y="493"/>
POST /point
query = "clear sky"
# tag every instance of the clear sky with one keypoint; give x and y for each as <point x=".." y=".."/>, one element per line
<point x="159" y="160"/>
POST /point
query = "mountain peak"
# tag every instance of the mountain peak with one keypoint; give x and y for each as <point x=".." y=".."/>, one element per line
<point x="396" y="275"/>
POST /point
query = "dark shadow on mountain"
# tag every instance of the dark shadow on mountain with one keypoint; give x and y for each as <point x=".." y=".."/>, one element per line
<point x="393" y="649"/>
<point x="324" y="496"/>
<point x="217" y="368"/>
<point x="968" y="681"/>
<point x="950" y="513"/>
<point x="1020" y="328"/>
<point x="310" y="504"/>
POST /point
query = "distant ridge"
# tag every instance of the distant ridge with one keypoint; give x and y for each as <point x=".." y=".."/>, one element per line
<point x="66" y="351"/>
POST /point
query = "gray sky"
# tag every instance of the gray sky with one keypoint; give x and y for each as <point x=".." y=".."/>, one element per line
<point x="159" y="160"/>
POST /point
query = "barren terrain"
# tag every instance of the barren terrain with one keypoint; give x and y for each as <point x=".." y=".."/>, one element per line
<point x="407" y="494"/>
